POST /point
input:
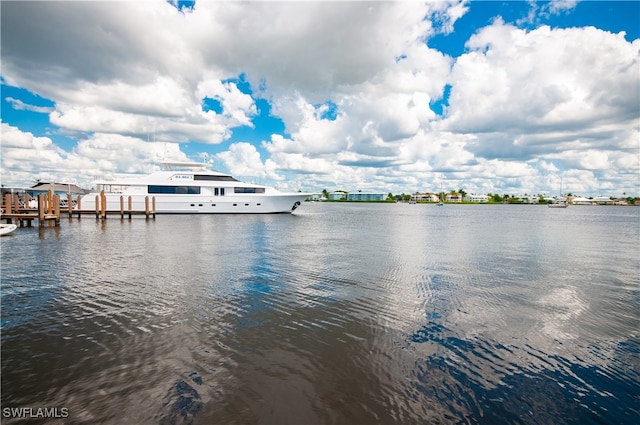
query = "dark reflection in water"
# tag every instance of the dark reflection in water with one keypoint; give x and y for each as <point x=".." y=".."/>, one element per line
<point x="342" y="313"/>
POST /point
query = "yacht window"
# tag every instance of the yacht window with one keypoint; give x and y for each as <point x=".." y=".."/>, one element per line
<point x="177" y="190"/>
<point x="222" y="191"/>
<point x="248" y="189"/>
<point x="215" y="191"/>
<point x="214" y="178"/>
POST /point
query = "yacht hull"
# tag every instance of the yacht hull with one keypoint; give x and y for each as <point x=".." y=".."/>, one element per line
<point x="193" y="204"/>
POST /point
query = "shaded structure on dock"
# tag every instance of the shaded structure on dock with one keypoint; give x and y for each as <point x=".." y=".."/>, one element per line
<point x="49" y="207"/>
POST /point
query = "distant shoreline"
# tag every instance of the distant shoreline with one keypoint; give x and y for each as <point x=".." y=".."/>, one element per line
<point x="469" y="203"/>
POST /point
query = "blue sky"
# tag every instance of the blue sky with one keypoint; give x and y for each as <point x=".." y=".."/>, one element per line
<point x="488" y="96"/>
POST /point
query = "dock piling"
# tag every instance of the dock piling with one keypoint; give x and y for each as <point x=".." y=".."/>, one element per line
<point x="49" y="209"/>
<point x="41" y="210"/>
<point x="103" y="205"/>
<point x="16" y="203"/>
<point x="79" y="206"/>
<point x="8" y="203"/>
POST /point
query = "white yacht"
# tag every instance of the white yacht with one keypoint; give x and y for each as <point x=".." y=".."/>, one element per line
<point x="192" y="188"/>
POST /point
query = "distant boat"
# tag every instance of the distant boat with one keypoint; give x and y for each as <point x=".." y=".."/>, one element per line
<point x="5" y="229"/>
<point x="559" y="202"/>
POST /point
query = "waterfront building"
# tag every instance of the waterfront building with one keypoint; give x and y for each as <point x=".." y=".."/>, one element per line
<point x="472" y="197"/>
<point x="579" y="200"/>
<point x="337" y="196"/>
<point x="425" y="197"/>
<point x="359" y="196"/>
<point x="602" y="200"/>
<point x="454" y="197"/>
<point x="316" y="197"/>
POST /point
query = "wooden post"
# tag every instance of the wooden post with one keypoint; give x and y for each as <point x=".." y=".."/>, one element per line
<point x="56" y="210"/>
<point x="103" y="199"/>
<point x="50" y="202"/>
<point x="121" y="207"/>
<point x="27" y="199"/>
<point x="153" y="203"/>
<point x="97" y="207"/>
<point x="129" y="202"/>
<point x="7" y="203"/>
<point x="146" y="206"/>
<point x="41" y="208"/>
<point x="79" y="206"/>
<point x="69" y="204"/>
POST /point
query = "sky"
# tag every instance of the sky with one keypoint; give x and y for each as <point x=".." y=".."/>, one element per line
<point x="506" y="97"/>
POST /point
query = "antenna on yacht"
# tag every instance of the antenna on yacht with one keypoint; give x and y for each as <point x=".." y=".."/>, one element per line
<point x="209" y="161"/>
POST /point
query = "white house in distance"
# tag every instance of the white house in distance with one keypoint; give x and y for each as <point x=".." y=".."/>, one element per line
<point x="602" y="200"/>
<point x="316" y="197"/>
<point x="454" y="197"/>
<point x="579" y="200"/>
<point x="359" y="196"/>
<point x="425" y="197"/>
<point x="472" y="197"/>
<point x="338" y="196"/>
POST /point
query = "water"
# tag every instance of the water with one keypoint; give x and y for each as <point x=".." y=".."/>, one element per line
<point x="339" y="314"/>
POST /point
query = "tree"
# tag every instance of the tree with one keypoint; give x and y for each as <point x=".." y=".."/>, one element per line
<point x="325" y="193"/>
<point x="496" y="198"/>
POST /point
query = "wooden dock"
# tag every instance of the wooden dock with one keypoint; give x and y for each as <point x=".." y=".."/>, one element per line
<point x="49" y="209"/>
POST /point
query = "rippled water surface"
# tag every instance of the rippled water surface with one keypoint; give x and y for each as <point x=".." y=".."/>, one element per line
<point x="339" y="314"/>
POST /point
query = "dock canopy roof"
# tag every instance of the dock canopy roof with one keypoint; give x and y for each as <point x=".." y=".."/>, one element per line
<point x="57" y="188"/>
